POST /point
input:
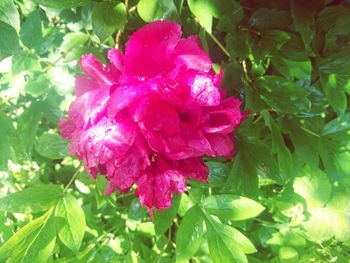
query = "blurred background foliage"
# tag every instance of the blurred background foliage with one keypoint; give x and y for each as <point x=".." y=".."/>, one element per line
<point x="285" y="197"/>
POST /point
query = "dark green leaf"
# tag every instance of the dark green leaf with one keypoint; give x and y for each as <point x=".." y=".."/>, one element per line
<point x="283" y="95"/>
<point x="264" y="18"/>
<point x="32" y="200"/>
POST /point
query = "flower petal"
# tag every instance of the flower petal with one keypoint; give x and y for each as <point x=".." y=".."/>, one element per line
<point x="149" y="49"/>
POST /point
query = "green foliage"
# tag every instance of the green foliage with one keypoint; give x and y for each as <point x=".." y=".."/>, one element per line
<point x="284" y="197"/>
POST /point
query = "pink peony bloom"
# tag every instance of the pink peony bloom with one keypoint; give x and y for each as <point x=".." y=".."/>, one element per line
<point x="149" y="116"/>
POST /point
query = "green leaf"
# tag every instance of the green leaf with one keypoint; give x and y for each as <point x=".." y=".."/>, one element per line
<point x="37" y="86"/>
<point x="9" y="13"/>
<point x="62" y="3"/>
<point x="72" y="232"/>
<point x="205" y="10"/>
<point x="335" y="93"/>
<point x="243" y="177"/>
<point x="313" y="186"/>
<point x="264" y="18"/>
<point x="73" y="40"/>
<point x="150" y="10"/>
<point x="303" y="14"/>
<point x="232" y="207"/>
<point x="189" y="235"/>
<point x="52" y="146"/>
<point x="31" y="31"/>
<point x="9" y="42"/>
<point x="32" y="200"/>
<point x="32" y="243"/>
<point x="107" y="17"/>
<point x="7" y="132"/>
<point x="337" y="125"/>
<point x="164" y="219"/>
<point x="27" y="126"/>
<point x="25" y="62"/>
<point x="226" y="244"/>
<point x="288" y="255"/>
<point x="283" y="95"/>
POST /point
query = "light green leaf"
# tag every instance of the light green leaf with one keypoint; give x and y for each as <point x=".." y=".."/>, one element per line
<point x="72" y="232"/>
<point x="9" y="42"/>
<point x="288" y="255"/>
<point x="37" y="86"/>
<point x="73" y="40"/>
<point x="52" y="146"/>
<point x="107" y="18"/>
<point x="232" y="207"/>
<point x="189" y="235"/>
<point x="313" y="186"/>
<point x="32" y="243"/>
<point x="32" y="200"/>
<point x="9" y="13"/>
<point x="150" y="10"/>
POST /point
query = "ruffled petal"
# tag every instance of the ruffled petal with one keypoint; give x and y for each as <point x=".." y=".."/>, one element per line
<point x="96" y="71"/>
<point x="149" y="49"/>
<point x="189" y="54"/>
<point x="84" y="84"/>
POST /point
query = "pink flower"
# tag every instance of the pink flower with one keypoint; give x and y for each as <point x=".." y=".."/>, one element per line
<point x="149" y="116"/>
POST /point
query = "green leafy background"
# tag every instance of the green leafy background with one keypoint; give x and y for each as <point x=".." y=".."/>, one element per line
<point x="285" y="197"/>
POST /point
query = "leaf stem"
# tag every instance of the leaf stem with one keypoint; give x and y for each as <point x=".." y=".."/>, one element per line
<point x="73" y="178"/>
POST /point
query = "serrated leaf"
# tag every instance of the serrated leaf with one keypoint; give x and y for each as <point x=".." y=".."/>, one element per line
<point x="107" y="17"/>
<point x="150" y="10"/>
<point x="189" y="235"/>
<point x="32" y="200"/>
<point x="232" y="207"/>
<point x="52" y="146"/>
<point x="283" y="95"/>
<point x="9" y="42"/>
<point x="9" y="13"/>
<point x="72" y="232"/>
